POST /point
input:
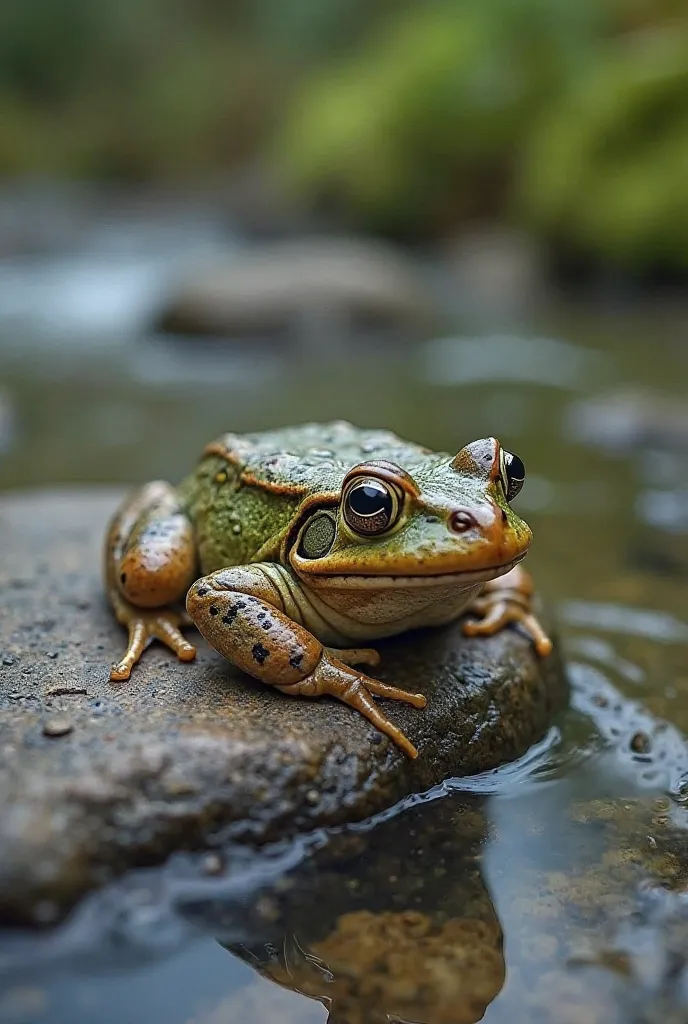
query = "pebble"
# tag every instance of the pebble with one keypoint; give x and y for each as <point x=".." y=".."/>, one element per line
<point x="57" y="727"/>
<point x="641" y="743"/>
<point x="212" y="864"/>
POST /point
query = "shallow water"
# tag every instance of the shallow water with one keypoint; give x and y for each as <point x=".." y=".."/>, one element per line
<point x="551" y="890"/>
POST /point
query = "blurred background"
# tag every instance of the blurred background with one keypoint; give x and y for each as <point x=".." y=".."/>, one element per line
<point x="450" y="218"/>
<point x="567" y="121"/>
<point x="214" y="213"/>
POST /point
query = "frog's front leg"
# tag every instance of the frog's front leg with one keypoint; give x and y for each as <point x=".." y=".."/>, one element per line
<point x="150" y="563"/>
<point x="507" y="599"/>
<point x="243" y="614"/>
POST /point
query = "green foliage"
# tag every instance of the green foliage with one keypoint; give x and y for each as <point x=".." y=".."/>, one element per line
<point x="140" y="88"/>
<point x="410" y="116"/>
<point x="571" y="119"/>
<point x="606" y="168"/>
<point x="429" y="110"/>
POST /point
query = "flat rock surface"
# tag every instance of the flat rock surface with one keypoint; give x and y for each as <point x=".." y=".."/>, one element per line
<point x="97" y="777"/>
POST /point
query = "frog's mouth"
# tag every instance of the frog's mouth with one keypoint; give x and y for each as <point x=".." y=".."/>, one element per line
<point x="466" y="578"/>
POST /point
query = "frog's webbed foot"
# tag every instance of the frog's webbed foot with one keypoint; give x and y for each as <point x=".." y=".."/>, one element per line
<point x="332" y="677"/>
<point x="144" y="626"/>
<point x="503" y="601"/>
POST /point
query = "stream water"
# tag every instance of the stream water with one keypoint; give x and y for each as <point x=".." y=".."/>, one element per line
<point x="551" y="890"/>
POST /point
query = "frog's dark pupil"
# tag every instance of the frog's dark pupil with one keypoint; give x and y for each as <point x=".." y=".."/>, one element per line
<point x="515" y="474"/>
<point x="370" y="499"/>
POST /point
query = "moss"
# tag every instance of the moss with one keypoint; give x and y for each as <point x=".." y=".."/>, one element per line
<point x="605" y="169"/>
<point x="568" y="121"/>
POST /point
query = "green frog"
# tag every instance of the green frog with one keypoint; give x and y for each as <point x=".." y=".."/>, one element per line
<point x="290" y="550"/>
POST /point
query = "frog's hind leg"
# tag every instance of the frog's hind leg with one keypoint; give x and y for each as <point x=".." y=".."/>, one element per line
<point x="150" y="563"/>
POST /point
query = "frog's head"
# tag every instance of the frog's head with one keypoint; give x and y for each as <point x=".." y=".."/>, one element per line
<point x="451" y="519"/>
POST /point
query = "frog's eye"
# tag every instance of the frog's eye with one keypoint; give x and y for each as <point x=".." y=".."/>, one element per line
<point x="318" y="536"/>
<point x="512" y="473"/>
<point x="370" y="505"/>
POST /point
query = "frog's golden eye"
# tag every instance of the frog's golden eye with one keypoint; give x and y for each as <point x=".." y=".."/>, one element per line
<point x="370" y="505"/>
<point x="512" y="473"/>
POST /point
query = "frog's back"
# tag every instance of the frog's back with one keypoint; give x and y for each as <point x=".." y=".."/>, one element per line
<point x="248" y="487"/>
<point x="312" y="457"/>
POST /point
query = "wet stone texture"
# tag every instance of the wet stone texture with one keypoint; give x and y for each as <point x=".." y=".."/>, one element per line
<point x="96" y="777"/>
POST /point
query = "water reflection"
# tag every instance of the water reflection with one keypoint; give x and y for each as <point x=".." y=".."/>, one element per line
<point x="394" y="967"/>
<point x="405" y="930"/>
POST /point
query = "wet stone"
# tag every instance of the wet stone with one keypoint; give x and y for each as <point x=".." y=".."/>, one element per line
<point x="256" y="766"/>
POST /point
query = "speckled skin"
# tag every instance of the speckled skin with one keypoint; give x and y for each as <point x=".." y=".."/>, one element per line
<point x="240" y="518"/>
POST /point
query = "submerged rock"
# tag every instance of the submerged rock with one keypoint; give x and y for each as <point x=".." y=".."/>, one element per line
<point x="315" y="281"/>
<point x="191" y="755"/>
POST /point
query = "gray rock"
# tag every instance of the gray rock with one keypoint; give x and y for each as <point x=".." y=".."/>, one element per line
<point x="494" y="273"/>
<point x="319" y="281"/>
<point x="627" y="419"/>
<point x="187" y="756"/>
<point x="7" y="421"/>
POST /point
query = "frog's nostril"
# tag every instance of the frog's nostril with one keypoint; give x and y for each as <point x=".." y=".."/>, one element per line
<point x="461" y="522"/>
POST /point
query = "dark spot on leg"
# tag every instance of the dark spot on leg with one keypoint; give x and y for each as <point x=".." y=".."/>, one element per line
<point x="230" y="615"/>
<point x="296" y="659"/>
<point x="123" y="578"/>
<point x="213" y="610"/>
<point x="202" y="591"/>
<point x="240" y="604"/>
<point x="266" y="624"/>
<point x="260" y="653"/>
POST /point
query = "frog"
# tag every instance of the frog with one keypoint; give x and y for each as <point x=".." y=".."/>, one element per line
<point x="290" y="550"/>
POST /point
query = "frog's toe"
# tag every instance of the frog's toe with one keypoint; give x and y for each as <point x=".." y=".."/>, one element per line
<point x="138" y="640"/>
<point x="167" y="631"/>
<point x="543" y="644"/>
<point x="163" y="626"/>
<point x="121" y="671"/>
<point x="495" y="617"/>
<point x="500" y="614"/>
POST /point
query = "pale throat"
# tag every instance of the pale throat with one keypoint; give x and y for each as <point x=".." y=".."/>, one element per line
<point x="370" y="612"/>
